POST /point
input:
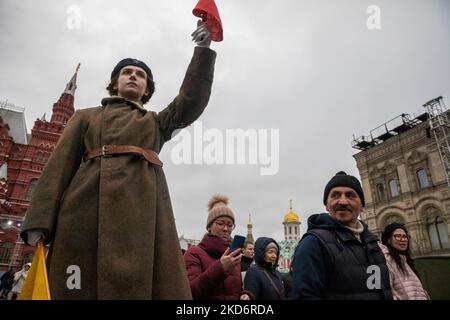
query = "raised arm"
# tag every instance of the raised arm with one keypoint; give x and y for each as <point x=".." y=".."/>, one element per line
<point x="195" y="90"/>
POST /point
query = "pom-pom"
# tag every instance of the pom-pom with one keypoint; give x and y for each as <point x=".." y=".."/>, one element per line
<point x="217" y="198"/>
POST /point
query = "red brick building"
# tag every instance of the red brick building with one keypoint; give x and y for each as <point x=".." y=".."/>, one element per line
<point x="22" y="159"/>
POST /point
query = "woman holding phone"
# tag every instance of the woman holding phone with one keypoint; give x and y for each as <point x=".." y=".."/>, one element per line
<point x="213" y="269"/>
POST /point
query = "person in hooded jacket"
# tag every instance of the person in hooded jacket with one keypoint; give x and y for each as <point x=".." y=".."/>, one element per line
<point x="263" y="279"/>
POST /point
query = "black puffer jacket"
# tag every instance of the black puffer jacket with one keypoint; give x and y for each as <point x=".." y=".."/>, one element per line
<point x="263" y="280"/>
<point x="330" y="263"/>
<point x="245" y="263"/>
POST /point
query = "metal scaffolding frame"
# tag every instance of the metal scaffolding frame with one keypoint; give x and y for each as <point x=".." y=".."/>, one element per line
<point x="387" y="130"/>
<point x="439" y="125"/>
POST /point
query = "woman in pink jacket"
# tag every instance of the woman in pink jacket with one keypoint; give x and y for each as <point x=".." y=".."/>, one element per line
<point x="405" y="282"/>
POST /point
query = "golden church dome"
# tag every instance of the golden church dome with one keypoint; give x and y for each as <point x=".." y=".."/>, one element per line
<point x="291" y="216"/>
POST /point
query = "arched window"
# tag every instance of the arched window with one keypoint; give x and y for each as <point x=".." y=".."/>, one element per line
<point x="442" y="233"/>
<point x="380" y="192"/>
<point x="423" y="178"/>
<point x="290" y="230"/>
<point x="5" y="252"/>
<point x="31" y="187"/>
<point x="437" y="232"/>
<point x="393" y="188"/>
<point x="391" y="219"/>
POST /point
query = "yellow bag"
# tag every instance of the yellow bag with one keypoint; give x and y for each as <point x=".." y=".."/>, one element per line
<point x="36" y="286"/>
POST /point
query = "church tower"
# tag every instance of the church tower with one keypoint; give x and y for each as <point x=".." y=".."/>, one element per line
<point x="63" y="109"/>
<point x="291" y="224"/>
<point x="249" y="237"/>
<point x="46" y="133"/>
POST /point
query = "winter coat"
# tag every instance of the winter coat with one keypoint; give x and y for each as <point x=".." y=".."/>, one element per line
<point x="287" y="280"/>
<point x="405" y="286"/>
<point x="6" y="279"/>
<point x="331" y="263"/>
<point x="262" y="279"/>
<point x="112" y="216"/>
<point x="207" y="278"/>
<point x="245" y="263"/>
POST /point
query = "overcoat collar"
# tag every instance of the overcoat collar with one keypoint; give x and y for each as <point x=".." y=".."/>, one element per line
<point x="119" y="100"/>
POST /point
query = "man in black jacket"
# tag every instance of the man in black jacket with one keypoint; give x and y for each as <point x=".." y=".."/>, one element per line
<point x="339" y="258"/>
<point x="247" y="255"/>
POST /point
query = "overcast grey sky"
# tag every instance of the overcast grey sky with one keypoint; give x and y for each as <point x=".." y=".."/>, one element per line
<point x="310" y="68"/>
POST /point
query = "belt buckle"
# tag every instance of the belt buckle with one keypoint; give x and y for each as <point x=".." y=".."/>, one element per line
<point x="105" y="151"/>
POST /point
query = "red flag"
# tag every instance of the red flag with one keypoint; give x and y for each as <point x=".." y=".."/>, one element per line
<point x="207" y="10"/>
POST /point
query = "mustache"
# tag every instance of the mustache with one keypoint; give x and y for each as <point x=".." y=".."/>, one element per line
<point x="342" y="207"/>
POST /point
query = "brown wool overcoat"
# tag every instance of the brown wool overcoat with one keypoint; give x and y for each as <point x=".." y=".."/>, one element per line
<point x="112" y="217"/>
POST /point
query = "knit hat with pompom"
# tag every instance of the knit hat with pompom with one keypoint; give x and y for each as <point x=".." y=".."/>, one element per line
<point x="218" y="207"/>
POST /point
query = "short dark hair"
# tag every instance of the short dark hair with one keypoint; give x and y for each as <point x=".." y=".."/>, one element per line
<point x="144" y="99"/>
<point x="246" y="243"/>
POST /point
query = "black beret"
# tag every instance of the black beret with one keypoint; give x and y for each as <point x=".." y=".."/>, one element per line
<point x="131" y="62"/>
<point x="341" y="179"/>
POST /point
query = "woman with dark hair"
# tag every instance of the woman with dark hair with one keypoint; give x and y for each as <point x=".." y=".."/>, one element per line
<point x="405" y="282"/>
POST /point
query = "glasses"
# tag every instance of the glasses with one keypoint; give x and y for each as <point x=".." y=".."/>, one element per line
<point x="223" y="224"/>
<point x="400" y="237"/>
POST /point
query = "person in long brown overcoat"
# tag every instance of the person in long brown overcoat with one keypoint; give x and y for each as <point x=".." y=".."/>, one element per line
<point x="111" y="216"/>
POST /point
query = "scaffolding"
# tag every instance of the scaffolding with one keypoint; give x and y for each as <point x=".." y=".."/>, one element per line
<point x="439" y="125"/>
<point x="14" y="258"/>
<point x="387" y="130"/>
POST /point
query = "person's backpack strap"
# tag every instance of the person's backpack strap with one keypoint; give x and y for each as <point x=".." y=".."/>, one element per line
<point x="272" y="283"/>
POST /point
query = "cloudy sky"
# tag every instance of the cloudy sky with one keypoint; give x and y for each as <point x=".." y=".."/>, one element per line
<point x="311" y="69"/>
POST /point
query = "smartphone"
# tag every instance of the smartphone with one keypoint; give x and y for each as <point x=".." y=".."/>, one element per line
<point x="238" y="243"/>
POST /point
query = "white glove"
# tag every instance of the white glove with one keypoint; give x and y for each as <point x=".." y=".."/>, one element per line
<point x="34" y="236"/>
<point x="201" y="36"/>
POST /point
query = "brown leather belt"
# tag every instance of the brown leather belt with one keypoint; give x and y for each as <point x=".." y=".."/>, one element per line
<point x="110" y="150"/>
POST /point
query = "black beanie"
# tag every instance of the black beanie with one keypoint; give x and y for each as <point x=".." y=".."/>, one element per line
<point x="341" y="179"/>
<point x="131" y="62"/>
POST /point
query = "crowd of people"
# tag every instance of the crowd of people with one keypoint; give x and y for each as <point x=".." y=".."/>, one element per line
<point x="332" y="260"/>
<point x="103" y="204"/>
